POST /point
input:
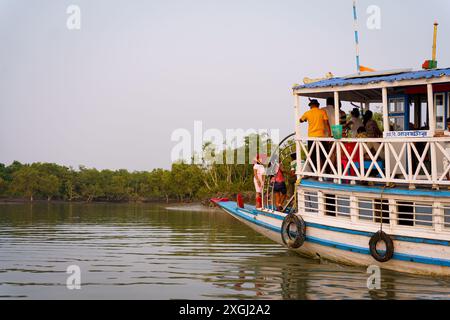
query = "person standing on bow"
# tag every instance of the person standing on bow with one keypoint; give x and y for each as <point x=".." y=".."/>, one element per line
<point x="259" y="176"/>
<point x="279" y="188"/>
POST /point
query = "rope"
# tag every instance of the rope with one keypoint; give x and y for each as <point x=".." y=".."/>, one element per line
<point x="297" y="184"/>
<point x="381" y="206"/>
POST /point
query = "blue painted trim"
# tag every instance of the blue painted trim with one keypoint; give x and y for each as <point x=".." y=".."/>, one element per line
<point x="368" y="234"/>
<point x="341" y="246"/>
<point x="378" y="190"/>
<point x="397" y="114"/>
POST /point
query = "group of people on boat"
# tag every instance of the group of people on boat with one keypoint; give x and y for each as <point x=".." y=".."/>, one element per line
<point x="320" y="121"/>
<point x="282" y="182"/>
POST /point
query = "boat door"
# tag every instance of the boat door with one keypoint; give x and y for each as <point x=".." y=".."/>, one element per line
<point x="398" y="113"/>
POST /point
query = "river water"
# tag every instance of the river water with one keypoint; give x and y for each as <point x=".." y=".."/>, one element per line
<point x="141" y="251"/>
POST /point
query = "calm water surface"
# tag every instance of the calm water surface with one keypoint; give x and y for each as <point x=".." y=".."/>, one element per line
<point x="149" y="252"/>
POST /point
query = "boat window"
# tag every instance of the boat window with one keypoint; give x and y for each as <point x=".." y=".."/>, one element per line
<point x="440" y="111"/>
<point x="424" y="114"/>
<point x="415" y="214"/>
<point x="447" y="216"/>
<point x="311" y="202"/>
<point x="424" y="215"/>
<point x="381" y="210"/>
<point x="397" y="114"/>
<point x="374" y="210"/>
<point x="418" y="112"/>
<point x="412" y="115"/>
<point x="337" y="206"/>
<point x="397" y="123"/>
<point x="330" y="205"/>
<point x="343" y="204"/>
<point x="405" y="213"/>
<point x="396" y="105"/>
<point x="365" y="209"/>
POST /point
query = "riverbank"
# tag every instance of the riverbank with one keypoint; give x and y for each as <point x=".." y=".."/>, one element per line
<point x="247" y="196"/>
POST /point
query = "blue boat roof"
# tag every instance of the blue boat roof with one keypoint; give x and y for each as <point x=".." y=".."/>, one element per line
<point x="413" y="75"/>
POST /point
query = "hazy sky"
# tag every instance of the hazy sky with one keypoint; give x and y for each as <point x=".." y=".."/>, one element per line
<point x="111" y="94"/>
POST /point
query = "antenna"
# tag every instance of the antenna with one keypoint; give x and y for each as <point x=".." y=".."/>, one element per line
<point x="359" y="68"/>
<point x="436" y="24"/>
<point x="355" y="19"/>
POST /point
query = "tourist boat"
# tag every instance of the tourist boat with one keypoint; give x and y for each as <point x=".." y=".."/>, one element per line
<point x="373" y="201"/>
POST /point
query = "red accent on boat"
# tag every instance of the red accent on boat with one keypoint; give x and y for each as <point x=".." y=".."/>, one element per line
<point x="217" y="200"/>
<point x="258" y="202"/>
<point x="240" y="201"/>
<point x="440" y="87"/>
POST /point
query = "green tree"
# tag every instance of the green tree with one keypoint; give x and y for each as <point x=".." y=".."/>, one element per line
<point x="69" y="184"/>
<point x="2" y="186"/>
<point x="26" y="182"/>
<point x="49" y="186"/>
<point x="90" y="184"/>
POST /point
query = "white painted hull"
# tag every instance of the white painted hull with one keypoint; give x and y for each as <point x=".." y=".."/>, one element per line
<point x="266" y="226"/>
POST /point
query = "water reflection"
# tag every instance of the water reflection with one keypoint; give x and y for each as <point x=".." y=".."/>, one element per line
<point x="148" y="252"/>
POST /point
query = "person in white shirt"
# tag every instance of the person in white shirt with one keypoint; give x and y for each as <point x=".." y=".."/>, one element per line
<point x="355" y="123"/>
<point x="329" y="109"/>
<point x="259" y="172"/>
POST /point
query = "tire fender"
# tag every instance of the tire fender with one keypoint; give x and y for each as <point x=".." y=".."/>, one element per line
<point x="384" y="256"/>
<point x="293" y="240"/>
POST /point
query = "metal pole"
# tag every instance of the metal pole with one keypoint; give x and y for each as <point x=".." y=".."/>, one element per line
<point x="435" y="40"/>
<point x="355" y="18"/>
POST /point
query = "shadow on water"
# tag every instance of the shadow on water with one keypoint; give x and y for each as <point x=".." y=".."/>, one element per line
<point x="141" y="251"/>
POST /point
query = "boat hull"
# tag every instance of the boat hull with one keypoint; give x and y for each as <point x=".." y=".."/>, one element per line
<point x="347" y="246"/>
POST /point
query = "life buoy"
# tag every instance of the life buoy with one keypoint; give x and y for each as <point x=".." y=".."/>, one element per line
<point x="294" y="239"/>
<point x="383" y="256"/>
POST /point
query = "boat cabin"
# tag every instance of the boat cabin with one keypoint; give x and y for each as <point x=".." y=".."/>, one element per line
<point x="413" y="148"/>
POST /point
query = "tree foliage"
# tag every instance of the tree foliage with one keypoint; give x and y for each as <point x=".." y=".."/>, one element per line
<point x="184" y="182"/>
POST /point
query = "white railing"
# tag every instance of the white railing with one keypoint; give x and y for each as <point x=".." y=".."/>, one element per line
<point x="414" y="161"/>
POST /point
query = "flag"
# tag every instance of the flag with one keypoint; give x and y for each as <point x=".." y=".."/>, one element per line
<point x="366" y="69"/>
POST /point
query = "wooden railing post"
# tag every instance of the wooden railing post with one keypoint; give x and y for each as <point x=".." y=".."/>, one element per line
<point x="434" y="174"/>
<point x="338" y="144"/>
<point x="298" y="135"/>
<point x="361" y="159"/>
<point x="410" y="165"/>
<point x="386" y="129"/>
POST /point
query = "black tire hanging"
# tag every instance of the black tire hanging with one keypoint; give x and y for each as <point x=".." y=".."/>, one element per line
<point x="293" y="240"/>
<point x="384" y="256"/>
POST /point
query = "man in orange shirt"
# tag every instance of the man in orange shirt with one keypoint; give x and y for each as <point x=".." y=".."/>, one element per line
<point x="318" y="126"/>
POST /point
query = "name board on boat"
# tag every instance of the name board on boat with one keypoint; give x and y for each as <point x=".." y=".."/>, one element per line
<point x="407" y="134"/>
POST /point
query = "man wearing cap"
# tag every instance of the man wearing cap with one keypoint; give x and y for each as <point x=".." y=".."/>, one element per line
<point x="318" y="127"/>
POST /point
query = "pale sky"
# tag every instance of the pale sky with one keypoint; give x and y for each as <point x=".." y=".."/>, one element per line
<point x="111" y="94"/>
